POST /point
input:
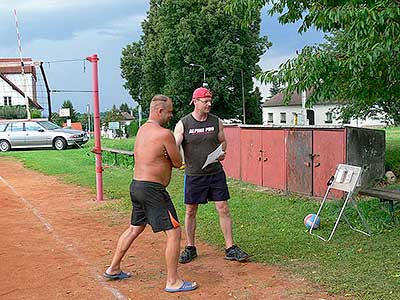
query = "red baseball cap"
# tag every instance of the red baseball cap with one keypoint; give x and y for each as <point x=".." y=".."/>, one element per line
<point x="201" y="92"/>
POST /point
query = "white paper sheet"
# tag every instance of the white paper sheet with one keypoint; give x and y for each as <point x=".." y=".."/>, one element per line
<point x="213" y="156"/>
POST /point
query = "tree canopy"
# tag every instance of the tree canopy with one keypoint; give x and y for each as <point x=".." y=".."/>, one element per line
<point x="179" y="33"/>
<point x="359" y="63"/>
<point x="74" y="115"/>
<point x="275" y="89"/>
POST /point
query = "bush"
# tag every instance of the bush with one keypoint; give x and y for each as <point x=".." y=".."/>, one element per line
<point x="13" y="112"/>
<point x="132" y="129"/>
<point x="119" y="133"/>
<point x="36" y="113"/>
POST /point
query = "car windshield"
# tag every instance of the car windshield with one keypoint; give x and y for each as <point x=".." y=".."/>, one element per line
<point x="48" y="125"/>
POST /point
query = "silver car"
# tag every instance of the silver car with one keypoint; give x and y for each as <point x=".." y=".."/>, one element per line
<point x="16" y="134"/>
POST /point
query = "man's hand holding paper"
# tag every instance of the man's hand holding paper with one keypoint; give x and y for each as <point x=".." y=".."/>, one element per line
<point x="216" y="155"/>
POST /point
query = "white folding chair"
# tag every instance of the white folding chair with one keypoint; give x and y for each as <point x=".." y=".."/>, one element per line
<point x="346" y="179"/>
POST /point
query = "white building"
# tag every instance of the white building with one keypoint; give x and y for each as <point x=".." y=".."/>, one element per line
<point x="13" y="85"/>
<point x="275" y="112"/>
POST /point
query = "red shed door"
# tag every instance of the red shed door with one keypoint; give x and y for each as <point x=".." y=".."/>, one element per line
<point x="231" y="162"/>
<point x="299" y="161"/>
<point x="329" y="151"/>
<point x="273" y="159"/>
<point x="250" y="155"/>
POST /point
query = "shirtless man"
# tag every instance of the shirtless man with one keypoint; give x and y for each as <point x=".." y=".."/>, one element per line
<point x="155" y="155"/>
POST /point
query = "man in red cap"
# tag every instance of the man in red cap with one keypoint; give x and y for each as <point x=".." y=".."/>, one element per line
<point x="200" y="133"/>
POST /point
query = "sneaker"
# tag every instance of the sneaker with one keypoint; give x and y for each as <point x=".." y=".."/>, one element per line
<point x="188" y="254"/>
<point x="235" y="253"/>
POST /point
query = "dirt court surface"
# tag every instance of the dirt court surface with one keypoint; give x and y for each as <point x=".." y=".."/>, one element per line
<point x="55" y="244"/>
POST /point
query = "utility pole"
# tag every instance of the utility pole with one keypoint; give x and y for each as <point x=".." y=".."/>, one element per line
<point x="28" y="112"/>
<point x="243" y="101"/>
<point x="140" y="114"/>
<point x="97" y="140"/>
<point x="89" y="117"/>
<point x="303" y="107"/>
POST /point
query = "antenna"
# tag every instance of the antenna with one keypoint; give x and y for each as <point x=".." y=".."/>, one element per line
<point x="28" y="113"/>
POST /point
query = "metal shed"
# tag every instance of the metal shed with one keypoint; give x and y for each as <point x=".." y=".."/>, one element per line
<point x="301" y="159"/>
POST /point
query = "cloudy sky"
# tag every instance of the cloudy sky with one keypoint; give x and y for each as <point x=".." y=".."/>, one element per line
<point x="57" y="30"/>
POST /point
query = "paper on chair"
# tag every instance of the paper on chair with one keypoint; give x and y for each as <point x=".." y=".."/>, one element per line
<point x="213" y="156"/>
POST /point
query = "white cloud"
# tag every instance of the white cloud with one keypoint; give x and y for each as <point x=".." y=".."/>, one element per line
<point x="116" y="28"/>
<point x="50" y="5"/>
<point x="105" y="39"/>
<point x="270" y="61"/>
<point x="55" y="30"/>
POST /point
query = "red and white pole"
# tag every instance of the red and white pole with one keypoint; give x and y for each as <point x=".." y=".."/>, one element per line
<point x="97" y="141"/>
<point x="28" y="112"/>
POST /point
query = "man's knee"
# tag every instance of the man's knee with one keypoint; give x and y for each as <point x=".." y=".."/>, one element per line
<point x="191" y="211"/>
<point x="135" y="230"/>
<point x="222" y="208"/>
<point x="174" y="233"/>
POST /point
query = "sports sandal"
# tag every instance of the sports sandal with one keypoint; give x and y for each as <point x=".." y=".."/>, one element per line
<point x="235" y="253"/>
<point x="188" y="254"/>
<point x="185" y="287"/>
<point x="120" y="275"/>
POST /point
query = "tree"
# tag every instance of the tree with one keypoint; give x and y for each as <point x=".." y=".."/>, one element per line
<point x="275" y="89"/>
<point x="56" y="119"/>
<point x="358" y="65"/>
<point x="253" y="108"/>
<point x="132" y="69"/>
<point x="74" y="115"/>
<point x="83" y="119"/>
<point x="178" y="33"/>
<point x="112" y="115"/>
<point x="125" y="108"/>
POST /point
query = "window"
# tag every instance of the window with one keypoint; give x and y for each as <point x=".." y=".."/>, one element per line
<point x="48" y="125"/>
<point x="32" y="126"/>
<point x="7" y="100"/>
<point x="328" y="118"/>
<point x="3" y="126"/>
<point x="283" y="117"/>
<point x="295" y="118"/>
<point x="17" y="127"/>
<point x="270" y="118"/>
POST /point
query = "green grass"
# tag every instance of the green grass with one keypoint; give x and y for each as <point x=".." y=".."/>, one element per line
<point x="122" y="160"/>
<point x="266" y="224"/>
<point x="393" y="150"/>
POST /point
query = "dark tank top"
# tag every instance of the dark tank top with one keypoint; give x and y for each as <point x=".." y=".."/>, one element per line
<point x="199" y="140"/>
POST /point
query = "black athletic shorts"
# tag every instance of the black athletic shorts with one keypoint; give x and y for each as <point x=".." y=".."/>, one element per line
<point x="201" y="189"/>
<point x="152" y="205"/>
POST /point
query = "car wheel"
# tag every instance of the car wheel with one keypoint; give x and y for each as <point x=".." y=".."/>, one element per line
<point x="60" y="143"/>
<point x="4" y="146"/>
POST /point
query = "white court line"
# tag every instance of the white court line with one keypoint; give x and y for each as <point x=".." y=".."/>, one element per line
<point x="116" y="293"/>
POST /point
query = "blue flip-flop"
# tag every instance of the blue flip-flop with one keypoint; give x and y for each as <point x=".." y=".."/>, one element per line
<point x="185" y="287"/>
<point x="120" y="275"/>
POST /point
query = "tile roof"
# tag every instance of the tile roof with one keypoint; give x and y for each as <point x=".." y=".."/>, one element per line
<point x="13" y="66"/>
<point x="277" y="100"/>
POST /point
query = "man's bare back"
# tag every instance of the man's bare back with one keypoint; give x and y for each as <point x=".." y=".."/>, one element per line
<point x="152" y="159"/>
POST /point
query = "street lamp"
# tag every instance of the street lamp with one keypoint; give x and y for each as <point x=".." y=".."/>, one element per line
<point x="204" y="73"/>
